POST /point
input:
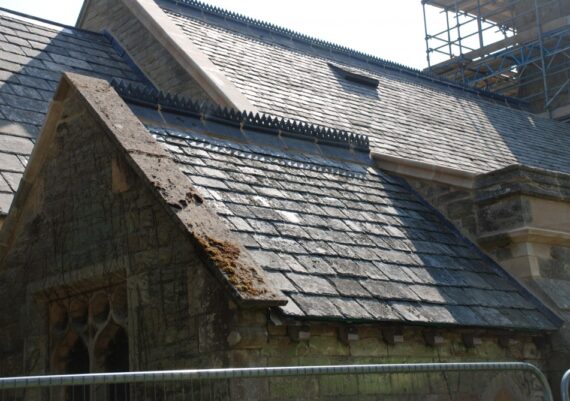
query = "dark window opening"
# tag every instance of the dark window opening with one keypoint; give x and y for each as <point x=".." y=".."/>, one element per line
<point x="355" y="76"/>
<point x="117" y="360"/>
<point x="77" y="362"/>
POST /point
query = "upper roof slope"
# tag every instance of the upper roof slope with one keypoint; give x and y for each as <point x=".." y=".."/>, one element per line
<point x="340" y="238"/>
<point x="33" y="54"/>
<point x="407" y="116"/>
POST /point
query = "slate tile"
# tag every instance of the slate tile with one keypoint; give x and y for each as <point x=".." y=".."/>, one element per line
<point x="280" y="244"/>
<point x="291" y="309"/>
<point x="13" y="54"/>
<point x="483" y="297"/>
<point x="475" y="280"/>
<point x="389" y="290"/>
<point x="266" y="214"/>
<point x="513" y="300"/>
<point x="365" y="253"/>
<point x="352" y="268"/>
<point x="277" y="261"/>
<point x="291" y="230"/>
<point x="464" y="315"/>
<point x="6" y="76"/>
<point x="10" y="66"/>
<point x="493" y="317"/>
<point x="310" y="284"/>
<point x="319" y="248"/>
<point x="291" y="262"/>
<point x="315" y="306"/>
<point x="380" y="310"/>
<point x="24" y="103"/>
<point x="315" y="265"/>
<point x="497" y="282"/>
<point x="240" y="224"/>
<point x="411" y="312"/>
<point x="281" y="282"/>
<point x="431" y="294"/>
<point x="351" y="309"/>
<point x="538" y="320"/>
<point x="268" y="259"/>
<point x="395" y="257"/>
<point x="460" y="296"/>
<point x="208" y="182"/>
<point x="349" y="287"/>
<point x="22" y="116"/>
<point x="36" y="83"/>
<point x="18" y="129"/>
<point x="5" y="202"/>
<point x="11" y="163"/>
<point x="438" y="313"/>
<point x="259" y="226"/>
<point x="248" y="241"/>
<point x="4" y="187"/>
<point x="52" y="76"/>
<point x="394" y="272"/>
<point x="23" y="91"/>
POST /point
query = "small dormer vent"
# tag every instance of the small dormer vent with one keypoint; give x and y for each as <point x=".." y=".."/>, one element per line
<point x="355" y="76"/>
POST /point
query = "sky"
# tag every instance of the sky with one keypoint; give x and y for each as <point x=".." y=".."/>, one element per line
<point x="390" y="29"/>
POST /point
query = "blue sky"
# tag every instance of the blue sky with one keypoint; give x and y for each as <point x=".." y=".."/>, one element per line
<point x="391" y="29"/>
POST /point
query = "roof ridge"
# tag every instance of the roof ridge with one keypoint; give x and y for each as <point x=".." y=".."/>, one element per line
<point x="46" y="23"/>
<point x="147" y="96"/>
<point x="324" y="44"/>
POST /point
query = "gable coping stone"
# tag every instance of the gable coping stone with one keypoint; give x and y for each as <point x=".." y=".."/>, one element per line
<point x="219" y="249"/>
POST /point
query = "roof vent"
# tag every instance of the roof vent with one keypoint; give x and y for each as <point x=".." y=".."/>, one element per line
<point x="355" y="76"/>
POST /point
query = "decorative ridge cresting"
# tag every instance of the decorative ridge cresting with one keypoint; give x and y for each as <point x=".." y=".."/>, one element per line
<point x="333" y="47"/>
<point x="150" y="97"/>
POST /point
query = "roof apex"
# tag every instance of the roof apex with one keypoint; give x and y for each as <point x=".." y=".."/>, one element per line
<point x="220" y="251"/>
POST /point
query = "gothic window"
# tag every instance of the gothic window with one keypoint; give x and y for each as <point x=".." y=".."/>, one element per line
<point x="88" y="333"/>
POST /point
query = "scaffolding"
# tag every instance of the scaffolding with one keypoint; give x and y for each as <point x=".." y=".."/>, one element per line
<point x="516" y="48"/>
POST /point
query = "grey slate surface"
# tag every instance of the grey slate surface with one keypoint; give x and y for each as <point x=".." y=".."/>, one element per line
<point x="32" y="57"/>
<point x="405" y="116"/>
<point x="343" y="240"/>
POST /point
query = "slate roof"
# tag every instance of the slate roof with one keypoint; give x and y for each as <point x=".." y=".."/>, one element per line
<point x="341" y="239"/>
<point x="409" y="116"/>
<point x="33" y="54"/>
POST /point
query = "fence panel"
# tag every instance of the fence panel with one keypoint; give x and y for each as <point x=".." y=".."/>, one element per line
<point x="433" y="382"/>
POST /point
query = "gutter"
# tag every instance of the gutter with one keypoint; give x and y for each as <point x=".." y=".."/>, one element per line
<point x="424" y="171"/>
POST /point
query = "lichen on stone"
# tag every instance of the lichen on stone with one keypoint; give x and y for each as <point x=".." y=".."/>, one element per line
<point x="225" y="256"/>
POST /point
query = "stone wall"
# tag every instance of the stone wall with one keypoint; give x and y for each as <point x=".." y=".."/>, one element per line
<point x="276" y="343"/>
<point x="146" y="51"/>
<point x="90" y="228"/>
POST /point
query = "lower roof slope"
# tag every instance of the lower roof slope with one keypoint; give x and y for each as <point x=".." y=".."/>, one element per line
<point x="406" y="116"/>
<point x="341" y="239"/>
<point x="33" y="54"/>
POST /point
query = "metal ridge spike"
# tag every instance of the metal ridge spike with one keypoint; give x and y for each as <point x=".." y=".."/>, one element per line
<point x="145" y="95"/>
<point x="272" y="28"/>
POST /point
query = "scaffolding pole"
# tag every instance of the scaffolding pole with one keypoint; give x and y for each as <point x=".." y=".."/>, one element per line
<point x="506" y="47"/>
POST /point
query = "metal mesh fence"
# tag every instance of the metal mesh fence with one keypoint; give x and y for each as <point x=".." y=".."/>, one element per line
<point x="433" y="382"/>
